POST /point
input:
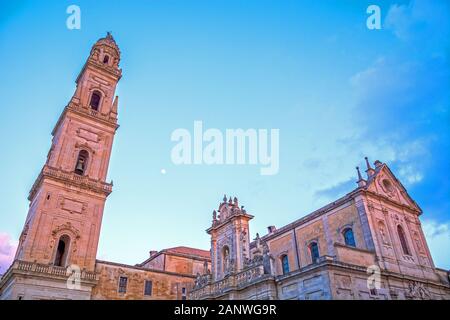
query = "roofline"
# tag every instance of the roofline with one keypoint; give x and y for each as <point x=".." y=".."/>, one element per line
<point x="403" y="187"/>
<point x="144" y="269"/>
<point x="327" y="208"/>
<point x="183" y="255"/>
<point x="316" y="213"/>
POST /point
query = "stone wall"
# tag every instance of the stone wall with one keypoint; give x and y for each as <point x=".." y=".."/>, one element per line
<point x="325" y="230"/>
<point x="358" y="257"/>
<point x="165" y="285"/>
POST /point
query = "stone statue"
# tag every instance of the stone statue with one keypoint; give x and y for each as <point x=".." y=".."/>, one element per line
<point x="226" y="260"/>
<point x="258" y="241"/>
<point x="418" y="242"/>
<point x="383" y="233"/>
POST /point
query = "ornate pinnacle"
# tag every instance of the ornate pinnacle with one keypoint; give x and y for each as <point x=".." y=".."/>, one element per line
<point x="359" y="174"/>
<point x="367" y="163"/>
<point x="370" y="171"/>
<point x="361" y="182"/>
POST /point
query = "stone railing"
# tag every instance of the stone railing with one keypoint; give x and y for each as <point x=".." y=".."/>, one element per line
<point x="70" y="177"/>
<point x="232" y="281"/>
<point x="201" y="293"/>
<point x="248" y="276"/>
<point x="34" y="267"/>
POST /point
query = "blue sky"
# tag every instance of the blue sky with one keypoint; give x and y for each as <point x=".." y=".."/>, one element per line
<point x="336" y="90"/>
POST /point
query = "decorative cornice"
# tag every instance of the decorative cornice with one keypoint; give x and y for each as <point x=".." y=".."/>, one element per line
<point x="233" y="216"/>
<point x="392" y="202"/>
<point x="82" y="182"/>
<point x="77" y="109"/>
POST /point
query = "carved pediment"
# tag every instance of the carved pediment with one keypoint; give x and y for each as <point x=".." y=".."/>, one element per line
<point x="66" y="227"/>
<point x="386" y="184"/>
<point x="87" y="146"/>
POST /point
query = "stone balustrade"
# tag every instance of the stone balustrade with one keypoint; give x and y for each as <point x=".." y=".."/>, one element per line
<point x="50" y="270"/>
<point x="236" y="280"/>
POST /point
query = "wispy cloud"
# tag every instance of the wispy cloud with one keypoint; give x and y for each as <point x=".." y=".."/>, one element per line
<point x="410" y="174"/>
<point x="404" y="96"/>
<point x="438" y="239"/>
<point x="418" y="19"/>
<point x="337" y="190"/>
<point x="433" y="229"/>
<point x="8" y="248"/>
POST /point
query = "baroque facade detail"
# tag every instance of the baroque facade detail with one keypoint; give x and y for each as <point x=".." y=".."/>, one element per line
<point x="326" y="254"/>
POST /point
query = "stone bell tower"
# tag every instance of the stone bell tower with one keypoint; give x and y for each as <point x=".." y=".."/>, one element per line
<point x="230" y="238"/>
<point x="67" y="200"/>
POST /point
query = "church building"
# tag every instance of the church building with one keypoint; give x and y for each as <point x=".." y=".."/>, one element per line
<point x="369" y="244"/>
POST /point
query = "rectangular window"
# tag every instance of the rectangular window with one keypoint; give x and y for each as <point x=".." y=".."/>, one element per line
<point x="183" y="293"/>
<point x="148" y="287"/>
<point x="123" y="281"/>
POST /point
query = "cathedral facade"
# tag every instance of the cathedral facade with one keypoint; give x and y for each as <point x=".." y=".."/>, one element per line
<point x="369" y="244"/>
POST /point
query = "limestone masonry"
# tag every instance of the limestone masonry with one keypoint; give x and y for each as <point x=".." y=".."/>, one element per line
<point x="369" y="244"/>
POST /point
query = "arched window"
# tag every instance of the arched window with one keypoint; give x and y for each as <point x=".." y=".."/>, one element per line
<point x="285" y="264"/>
<point x="95" y="100"/>
<point x="62" y="251"/>
<point x="349" y="237"/>
<point x="80" y="167"/>
<point x="402" y="237"/>
<point x="314" y="251"/>
<point x="105" y="59"/>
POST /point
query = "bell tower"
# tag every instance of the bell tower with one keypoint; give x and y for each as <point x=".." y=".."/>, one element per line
<point x="230" y="239"/>
<point x="68" y="197"/>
